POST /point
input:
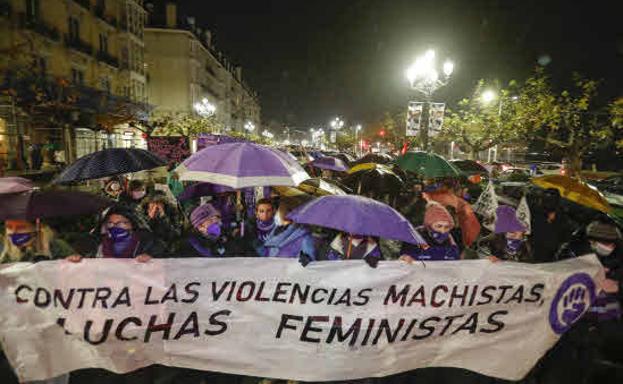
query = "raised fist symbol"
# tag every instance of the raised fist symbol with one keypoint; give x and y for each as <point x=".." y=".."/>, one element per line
<point x="574" y="306"/>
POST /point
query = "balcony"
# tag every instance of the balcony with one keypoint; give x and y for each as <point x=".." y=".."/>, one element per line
<point x="108" y="59"/>
<point x="38" y="26"/>
<point x="78" y="45"/>
<point x="100" y="12"/>
<point x="84" y="3"/>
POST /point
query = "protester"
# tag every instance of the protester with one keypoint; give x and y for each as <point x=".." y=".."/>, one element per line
<point x="135" y="193"/>
<point x="508" y="242"/>
<point x="258" y="229"/>
<point x="468" y="223"/>
<point x="595" y="341"/>
<point x="23" y="241"/>
<point x="289" y="239"/>
<point x="440" y="245"/>
<point x="414" y="208"/>
<point x="207" y="238"/>
<point x="124" y="238"/>
<point x="550" y="227"/>
<point x="355" y="247"/>
<point x="163" y="219"/>
<point x="113" y="188"/>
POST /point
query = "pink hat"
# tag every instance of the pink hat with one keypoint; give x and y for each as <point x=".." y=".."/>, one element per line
<point x="436" y="212"/>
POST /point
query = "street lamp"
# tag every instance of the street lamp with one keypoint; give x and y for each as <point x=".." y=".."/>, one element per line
<point x="357" y="129"/>
<point x="204" y="108"/>
<point x="249" y="126"/>
<point x="267" y="134"/>
<point x="337" y="123"/>
<point x="424" y="78"/>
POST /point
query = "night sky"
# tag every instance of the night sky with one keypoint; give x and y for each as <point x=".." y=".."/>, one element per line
<point x="313" y="59"/>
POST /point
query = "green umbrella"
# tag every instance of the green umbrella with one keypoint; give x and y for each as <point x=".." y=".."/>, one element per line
<point x="427" y="165"/>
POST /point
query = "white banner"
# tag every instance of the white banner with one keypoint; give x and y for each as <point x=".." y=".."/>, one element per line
<point x="435" y="118"/>
<point x="486" y="205"/>
<point x="275" y="318"/>
<point x="414" y="118"/>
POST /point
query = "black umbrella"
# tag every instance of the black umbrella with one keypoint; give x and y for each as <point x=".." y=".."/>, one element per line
<point x="109" y="162"/>
<point x="34" y="204"/>
<point x="378" y="158"/>
<point x="469" y="167"/>
<point x="375" y="181"/>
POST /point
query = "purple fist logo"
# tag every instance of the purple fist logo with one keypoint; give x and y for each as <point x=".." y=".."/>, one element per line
<point x="574" y="297"/>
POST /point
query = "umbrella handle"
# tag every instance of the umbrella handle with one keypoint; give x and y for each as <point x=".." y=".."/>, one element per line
<point x="350" y="247"/>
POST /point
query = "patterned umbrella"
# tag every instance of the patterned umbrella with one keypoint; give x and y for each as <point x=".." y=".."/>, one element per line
<point x="427" y="165"/>
<point x="34" y="204"/>
<point x="241" y="165"/>
<point x="109" y="162"/>
<point x="357" y="215"/>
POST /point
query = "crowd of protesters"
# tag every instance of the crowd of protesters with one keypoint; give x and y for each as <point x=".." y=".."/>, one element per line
<point x="147" y="223"/>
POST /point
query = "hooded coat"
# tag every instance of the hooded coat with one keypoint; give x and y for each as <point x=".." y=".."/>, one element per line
<point x="289" y="241"/>
<point x="495" y="245"/>
<point x="366" y="247"/>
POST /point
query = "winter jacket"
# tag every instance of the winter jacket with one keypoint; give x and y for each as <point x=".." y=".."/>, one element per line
<point x="197" y="245"/>
<point x="432" y="251"/>
<point x="495" y="245"/>
<point x="546" y="237"/>
<point x="366" y="247"/>
<point x="289" y="241"/>
<point x="607" y="306"/>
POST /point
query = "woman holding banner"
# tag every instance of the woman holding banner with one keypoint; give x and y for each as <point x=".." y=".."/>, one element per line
<point x="508" y="242"/>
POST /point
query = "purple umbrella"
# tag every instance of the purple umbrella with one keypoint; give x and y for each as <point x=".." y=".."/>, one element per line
<point x="241" y="165"/>
<point x="15" y="185"/>
<point x="357" y="215"/>
<point x="202" y="189"/>
<point x="330" y="163"/>
<point x="34" y="204"/>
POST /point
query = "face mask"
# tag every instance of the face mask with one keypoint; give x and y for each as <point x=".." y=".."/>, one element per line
<point x="439" y="237"/>
<point x="19" y="239"/>
<point x="118" y="234"/>
<point x="602" y="249"/>
<point x="214" y="230"/>
<point x="513" y="245"/>
<point x="137" y="195"/>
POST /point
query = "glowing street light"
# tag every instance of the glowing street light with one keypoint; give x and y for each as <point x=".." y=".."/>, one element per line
<point x="488" y="96"/>
<point x="357" y="129"/>
<point x="249" y="126"/>
<point x="204" y="108"/>
<point x="267" y="134"/>
<point x="337" y="123"/>
<point x="424" y="77"/>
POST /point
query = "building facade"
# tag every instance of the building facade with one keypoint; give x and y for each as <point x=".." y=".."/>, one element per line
<point x="73" y="75"/>
<point x="185" y="68"/>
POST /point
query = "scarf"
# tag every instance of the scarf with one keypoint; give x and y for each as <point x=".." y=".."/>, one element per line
<point x="264" y="229"/>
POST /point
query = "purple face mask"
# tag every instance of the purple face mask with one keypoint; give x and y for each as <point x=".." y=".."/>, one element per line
<point x="439" y="237"/>
<point x="118" y="234"/>
<point x="513" y="245"/>
<point x="19" y="239"/>
<point x="214" y="230"/>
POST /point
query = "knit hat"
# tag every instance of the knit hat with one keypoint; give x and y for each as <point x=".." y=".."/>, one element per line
<point x="202" y="213"/>
<point x="599" y="230"/>
<point x="506" y="220"/>
<point x="436" y="212"/>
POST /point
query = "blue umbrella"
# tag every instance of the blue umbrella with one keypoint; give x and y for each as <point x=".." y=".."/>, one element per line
<point x="109" y="162"/>
<point x="357" y="215"/>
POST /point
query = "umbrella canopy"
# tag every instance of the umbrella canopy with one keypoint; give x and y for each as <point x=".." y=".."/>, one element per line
<point x="330" y="163"/>
<point x="428" y="165"/>
<point x="202" y="189"/>
<point x="368" y="166"/>
<point x="469" y="167"/>
<point x="346" y="158"/>
<point x="311" y="187"/>
<point x="378" y="180"/>
<point x="109" y="162"/>
<point x="357" y="215"/>
<point x="15" y="185"/>
<point x="241" y="165"/>
<point x="379" y="158"/>
<point x="35" y="203"/>
<point x="575" y="190"/>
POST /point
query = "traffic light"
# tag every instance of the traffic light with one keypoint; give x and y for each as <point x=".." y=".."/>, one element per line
<point x="382" y="133"/>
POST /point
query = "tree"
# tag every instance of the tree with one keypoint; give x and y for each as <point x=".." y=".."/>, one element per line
<point x="182" y="124"/>
<point x="616" y="115"/>
<point x="478" y="126"/>
<point x="571" y="122"/>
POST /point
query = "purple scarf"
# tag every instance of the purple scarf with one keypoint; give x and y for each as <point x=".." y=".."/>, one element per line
<point x="264" y="228"/>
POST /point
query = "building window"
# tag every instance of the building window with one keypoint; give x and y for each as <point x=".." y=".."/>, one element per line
<point x="32" y="9"/>
<point x="74" y="29"/>
<point x="77" y="76"/>
<point x="103" y="43"/>
<point x="105" y="84"/>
